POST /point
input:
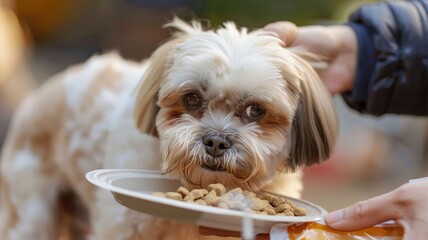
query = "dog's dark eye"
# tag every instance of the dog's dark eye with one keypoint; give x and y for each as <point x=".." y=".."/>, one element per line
<point x="254" y="112"/>
<point x="192" y="101"/>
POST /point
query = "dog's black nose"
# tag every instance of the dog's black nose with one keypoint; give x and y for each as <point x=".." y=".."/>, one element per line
<point x="216" y="144"/>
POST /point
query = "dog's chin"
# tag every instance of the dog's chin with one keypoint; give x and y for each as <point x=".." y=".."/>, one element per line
<point x="213" y="168"/>
<point x="198" y="169"/>
<point x="217" y="167"/>
<point x="212" y="164"/>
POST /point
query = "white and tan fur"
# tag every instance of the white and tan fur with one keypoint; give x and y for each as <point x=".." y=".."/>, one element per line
<point x="101" y="115"/>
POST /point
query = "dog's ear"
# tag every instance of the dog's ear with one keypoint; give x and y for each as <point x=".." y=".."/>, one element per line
<point x="146" y="102"/>
<point x="146" y="107"/>
<point x="315" y="125"/>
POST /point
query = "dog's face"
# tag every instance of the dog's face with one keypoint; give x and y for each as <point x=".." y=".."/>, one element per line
<point x="233" y="107"/>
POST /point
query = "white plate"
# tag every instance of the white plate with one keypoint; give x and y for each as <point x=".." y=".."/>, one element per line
<point x="134" y="188"/>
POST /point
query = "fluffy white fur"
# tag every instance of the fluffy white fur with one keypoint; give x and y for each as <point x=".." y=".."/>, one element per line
<point x="103" y="114"/>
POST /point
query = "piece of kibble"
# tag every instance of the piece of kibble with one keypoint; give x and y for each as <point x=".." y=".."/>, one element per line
<point x="282" y="207"/>
<point x="218" y="188"/>
<point x="174" y="195"/>
<point x="270" y="211"/>
<point x="299" y="211"/>
<point x="201" y="202"/>
<point x="213" y="201"/>
<point x="222" y="205"/>
<point x="211" y="198"/>
<point x="189" y="198"/>
<point x="262" y="213"/>
<point x="288" y="212"/>
<point x="258" y="204"/>
<point x="236" y="205"/>
<point x="183" y="191"/>
<point x="196" y="194"/>
<point x="268" y="197"/>
<point x="293" y="206"/>
<point x="159" y="194"/>
<point x="249" y="194"/>
<point x="278" y="202"/>
<point x="211" y="193"/>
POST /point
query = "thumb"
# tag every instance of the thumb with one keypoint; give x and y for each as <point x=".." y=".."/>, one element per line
<point x="364" y="214"/>
<point x="286" y="31"/>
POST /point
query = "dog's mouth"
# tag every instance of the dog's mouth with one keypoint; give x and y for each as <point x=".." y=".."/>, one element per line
<point x="213" y="168"/>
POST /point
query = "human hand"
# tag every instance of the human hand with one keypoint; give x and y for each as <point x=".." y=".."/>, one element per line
<point x="407" y="205"/>
<point x="336" y="44"/>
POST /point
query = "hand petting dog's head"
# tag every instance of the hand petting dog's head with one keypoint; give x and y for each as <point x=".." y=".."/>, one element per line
<point x="234" y="107"/>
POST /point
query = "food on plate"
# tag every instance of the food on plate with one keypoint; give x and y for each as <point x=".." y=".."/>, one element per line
<point x="215" y="195"/>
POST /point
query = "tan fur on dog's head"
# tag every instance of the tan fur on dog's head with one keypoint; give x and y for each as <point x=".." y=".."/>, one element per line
<point x="234" y="107"/>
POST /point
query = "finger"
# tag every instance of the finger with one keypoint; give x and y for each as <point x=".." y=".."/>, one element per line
<point x="286" y="31"/>
<point x="364" y="214"/>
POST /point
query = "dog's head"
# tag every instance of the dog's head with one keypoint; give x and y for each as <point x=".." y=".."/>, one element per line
<point x="234" y="107"/>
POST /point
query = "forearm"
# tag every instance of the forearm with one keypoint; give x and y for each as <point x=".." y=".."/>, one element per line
<point x="392" y="67"/>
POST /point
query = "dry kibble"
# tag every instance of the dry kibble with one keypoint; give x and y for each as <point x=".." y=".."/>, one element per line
<point x="299" y="211"/>
<point x="213" y="201"/>
<point x="189" y="198"/>
<point x="222" y="205"/>
<point x="218" y="188"/>
<point x="288" y="212"/>
<point x="270" y="211"/>
<point x="236" y="205"/>
<point x="174" y="195"/>
<point x="293" y="206"/>
<point x="201" y="202"/>
<point x="282" y="207"/>
<point x="278" y="202"/>
<point x="237" y="199"/>
<point x="249" y="194"/>
<point x="196" y="194"/>
<point x="211" y="198"/>
<point x="211" y="194"/>
<point x="183" y="191"/>
<point x="269" y="197"/>
<point x="258" y="204"/>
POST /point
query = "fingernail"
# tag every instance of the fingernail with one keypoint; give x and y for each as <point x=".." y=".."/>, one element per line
<point x="334" y="217"/>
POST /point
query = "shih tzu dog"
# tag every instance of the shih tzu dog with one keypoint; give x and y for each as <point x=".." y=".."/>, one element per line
<point x="213" y="106"/>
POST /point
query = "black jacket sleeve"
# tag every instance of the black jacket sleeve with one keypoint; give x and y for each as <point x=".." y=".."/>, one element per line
<point x="392" y="65"/>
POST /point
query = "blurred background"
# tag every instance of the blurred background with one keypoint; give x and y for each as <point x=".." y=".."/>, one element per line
<point x="39" y="38"/>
